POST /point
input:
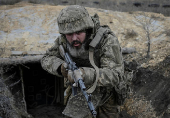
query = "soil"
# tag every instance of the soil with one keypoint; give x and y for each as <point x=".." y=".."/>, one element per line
<point x="150" y="96"/>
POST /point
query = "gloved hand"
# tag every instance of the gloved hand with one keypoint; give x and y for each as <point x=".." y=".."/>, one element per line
<point x="64" y="70"/>
<point x="77" y="74"/>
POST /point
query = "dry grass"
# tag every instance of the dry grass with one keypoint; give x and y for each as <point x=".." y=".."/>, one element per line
<point x="119" y="5"/>
<point x="130" y="33"/>
<point x="167" y="32"/>
<point x="139" y="107"/>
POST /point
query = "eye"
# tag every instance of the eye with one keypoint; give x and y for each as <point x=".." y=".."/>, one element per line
<point x="79" y="32"/>
<point x="70" y="34"/>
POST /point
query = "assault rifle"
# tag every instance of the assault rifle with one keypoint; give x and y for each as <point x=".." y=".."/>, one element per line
<point x="78" y="81"/>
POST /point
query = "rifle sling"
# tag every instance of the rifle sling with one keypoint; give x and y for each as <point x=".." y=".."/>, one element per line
<point x="93" y="87"/>
<point x="93" y="44"/>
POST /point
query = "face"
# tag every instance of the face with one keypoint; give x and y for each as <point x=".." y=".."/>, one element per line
<point x="76" y="39"/>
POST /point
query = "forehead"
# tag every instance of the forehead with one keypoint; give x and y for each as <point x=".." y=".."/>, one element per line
<point x="78" y="32"/>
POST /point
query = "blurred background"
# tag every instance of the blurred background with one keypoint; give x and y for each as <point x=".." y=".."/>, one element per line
<point x="157" y="6"/>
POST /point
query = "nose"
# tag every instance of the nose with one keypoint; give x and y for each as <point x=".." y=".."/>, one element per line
<point x="74" y="37"/>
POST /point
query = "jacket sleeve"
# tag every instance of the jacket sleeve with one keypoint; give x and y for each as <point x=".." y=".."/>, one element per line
<point x="111" y="64"/>
<point x="52" y="59"/>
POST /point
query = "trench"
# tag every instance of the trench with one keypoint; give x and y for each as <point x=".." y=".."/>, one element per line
<point x="41" y="93"/>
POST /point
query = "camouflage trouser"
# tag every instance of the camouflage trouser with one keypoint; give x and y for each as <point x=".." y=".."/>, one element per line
<point x="109" y="109"/>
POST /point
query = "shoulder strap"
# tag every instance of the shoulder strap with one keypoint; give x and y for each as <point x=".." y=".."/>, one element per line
<point x="92" y="45"/>
<point x="98" y="37"/>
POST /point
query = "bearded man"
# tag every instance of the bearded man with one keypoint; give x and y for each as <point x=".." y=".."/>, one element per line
<point x="96" y="51"/>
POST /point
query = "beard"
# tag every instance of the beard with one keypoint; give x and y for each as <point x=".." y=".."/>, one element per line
<point x="78" y="52"/>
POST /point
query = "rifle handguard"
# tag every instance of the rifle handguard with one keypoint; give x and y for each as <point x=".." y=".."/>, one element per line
<point x="77" y="75"/>
<point x="70" y="76"/>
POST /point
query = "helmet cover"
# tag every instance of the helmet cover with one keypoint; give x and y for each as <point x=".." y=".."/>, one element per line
<point x="74" y="18"/>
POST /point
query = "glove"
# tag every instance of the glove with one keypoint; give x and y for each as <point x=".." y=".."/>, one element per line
<point x="77" y="74"/>
<point x="64" y="70"/>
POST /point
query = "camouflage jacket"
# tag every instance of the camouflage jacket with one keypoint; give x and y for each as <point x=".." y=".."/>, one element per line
<point x="107" y="56"/>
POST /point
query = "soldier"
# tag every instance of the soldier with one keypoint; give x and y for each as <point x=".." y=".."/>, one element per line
<point x="87" y="42"/>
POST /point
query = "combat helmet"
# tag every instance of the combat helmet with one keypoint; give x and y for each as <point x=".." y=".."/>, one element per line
<point x="74" y="18"/>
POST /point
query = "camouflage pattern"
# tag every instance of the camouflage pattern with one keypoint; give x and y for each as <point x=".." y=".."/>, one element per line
<point x="109" y="109"/>
<point x="74" y="18"/>
<point x="52" y="60"/>
<point x="106" y="106"/>
<point x="78" y="100"/>
<point x="107" y="56"/>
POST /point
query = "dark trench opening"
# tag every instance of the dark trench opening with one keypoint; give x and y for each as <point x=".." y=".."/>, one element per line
<point x="43" y="91"/>
<point x="34" y="90"/>
<point x="29" y="88"/>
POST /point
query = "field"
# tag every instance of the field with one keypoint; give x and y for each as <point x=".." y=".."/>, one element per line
<point x="156" y="6"/>
<point x="31" y="27"/>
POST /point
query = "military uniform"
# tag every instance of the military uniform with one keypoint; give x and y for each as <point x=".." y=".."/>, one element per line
<point x="107" y="57"/>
